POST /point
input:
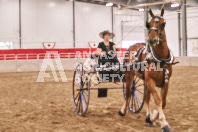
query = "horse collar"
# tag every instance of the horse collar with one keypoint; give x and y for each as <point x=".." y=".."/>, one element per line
<point x="153" y="56"/>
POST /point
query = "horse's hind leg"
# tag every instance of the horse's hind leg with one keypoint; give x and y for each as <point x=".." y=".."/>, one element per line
<point x="158" y="101"/>
<point x="129" y="76"/>
<point x="164" y="92"/>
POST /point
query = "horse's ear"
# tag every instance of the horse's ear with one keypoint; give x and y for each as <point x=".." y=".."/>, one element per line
<point x="147" y="25"/>
<point x="162" y="12"/>
<point x="151" y="13"/>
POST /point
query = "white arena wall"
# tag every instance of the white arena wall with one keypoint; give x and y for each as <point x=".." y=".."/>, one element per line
<point x="68" y="64"/>
<point x="52" y="21"/>
<point x="35" y="65"/>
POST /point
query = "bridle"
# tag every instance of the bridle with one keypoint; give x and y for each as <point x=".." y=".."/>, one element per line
<point x="150" y="50"/>
<point x="156" y="19"/>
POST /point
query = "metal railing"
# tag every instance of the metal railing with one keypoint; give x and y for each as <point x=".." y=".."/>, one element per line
<point x="49" y="56"/>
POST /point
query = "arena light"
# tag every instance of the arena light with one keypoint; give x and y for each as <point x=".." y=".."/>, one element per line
<point x="109" y="4"/>
<point x="52" y="4"/>
<point x="175" y="5"/>
<point x="141" y="9"/>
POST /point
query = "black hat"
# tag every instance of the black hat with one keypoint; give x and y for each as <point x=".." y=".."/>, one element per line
<point x="106" y="32"/>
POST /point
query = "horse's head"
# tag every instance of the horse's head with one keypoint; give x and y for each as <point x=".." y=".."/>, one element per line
<point x="155" y="28"/>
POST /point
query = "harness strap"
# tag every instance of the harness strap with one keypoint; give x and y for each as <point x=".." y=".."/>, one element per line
<point x="152" y="56"/>
<point x="157" y="59"/>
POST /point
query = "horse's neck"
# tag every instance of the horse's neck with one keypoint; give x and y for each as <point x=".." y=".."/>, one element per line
<point x="161" y="49"/>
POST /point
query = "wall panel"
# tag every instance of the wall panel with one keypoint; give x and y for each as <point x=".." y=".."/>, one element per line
<point x="46" y="21"/>
<point x="192" y="28"/>
<point x="91" y="19"/>
<point x="171" y="29"/>
<point x="128" y="26"/>
<point x="9" y="21"/>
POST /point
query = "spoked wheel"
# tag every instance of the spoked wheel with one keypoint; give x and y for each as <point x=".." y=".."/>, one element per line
<point x="137" y="95"/>
<point x="81" y="90"/>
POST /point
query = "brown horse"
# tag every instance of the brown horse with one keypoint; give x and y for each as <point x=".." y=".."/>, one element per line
<point x="158" y="44"/>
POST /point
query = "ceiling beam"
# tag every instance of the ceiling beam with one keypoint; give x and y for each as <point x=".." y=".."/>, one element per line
<point x="129" y="1"/>
<point x="120" y="2"/>
<point x="150" y="4"/>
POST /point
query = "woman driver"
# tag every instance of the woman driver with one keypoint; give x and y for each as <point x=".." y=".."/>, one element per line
<point x="106" y="49"/>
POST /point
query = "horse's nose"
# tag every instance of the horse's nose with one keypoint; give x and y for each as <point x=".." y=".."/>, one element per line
<point x="153" y="41"/>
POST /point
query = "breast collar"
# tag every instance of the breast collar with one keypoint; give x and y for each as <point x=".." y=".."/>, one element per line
<point x="152" y="56"/>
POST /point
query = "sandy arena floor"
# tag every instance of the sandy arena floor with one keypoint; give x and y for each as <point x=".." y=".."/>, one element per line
<point x="27" y="106"/>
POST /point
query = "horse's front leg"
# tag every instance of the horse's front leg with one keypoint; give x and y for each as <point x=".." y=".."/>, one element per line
<point x="150" y="117"/>
<point x="158" y="101"/>
<point x="147" y="101"/>
<point x="129" y="76"/>
<point x="164" y="92"/>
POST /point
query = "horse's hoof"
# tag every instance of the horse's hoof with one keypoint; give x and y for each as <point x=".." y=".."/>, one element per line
<point x="120" y="113"/>
<point x="166" y="128"/>
<point x="149" y="122"/>
<point x="164" y="106"/>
